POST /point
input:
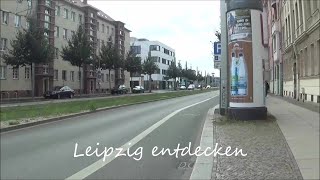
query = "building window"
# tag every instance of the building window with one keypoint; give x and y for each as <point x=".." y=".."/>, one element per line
<point x="102" y="77"/>
<point x="102" y="28"/>
<point x="29" y="3"/>
<point x="55" y="75"/>
<point x="313" y="59"/>
<point x="92" y="15"/>
<point x="65" y="13"/>
<point x="80" y="18"/>
<point x="73" y="16"/>
<point x="72" y="75"/>
<point x="65" y="33"/>
<point x="64" y="75"/>
<point x="15" y="73"/>
<point x="107" y="77"/>
<point x="17" y="20"/>
<point x="111" y="30"/>
<point x="164" y="61"/>
<point x="27" y="24"/>
<point x="136" y="49"/>
<point x="27" y="73"/>
<point x="57" y="11"/>
<point x="112" y="77"/>
<point x="48" y="3"/>
<point x="98" y="26"/>
<point x="3" y="72"/>
<point x="79" y="75"/>
<point x="5" y="17"/>
<point x="45" y="69"/>
<point x="56" y="32"/>
<point x="98" y="44"/>
<point x="46" y="25"/>
<point x="3" y="45"/>
<point x="107" y="29"/>
<point x="57" y="53"/>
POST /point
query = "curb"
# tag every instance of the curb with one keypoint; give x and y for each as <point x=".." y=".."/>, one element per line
<point x="21" y="126"/>
<point x="204" y="165"/>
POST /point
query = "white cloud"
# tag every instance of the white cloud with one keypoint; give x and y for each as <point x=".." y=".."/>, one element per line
<point x="186" y="26"/>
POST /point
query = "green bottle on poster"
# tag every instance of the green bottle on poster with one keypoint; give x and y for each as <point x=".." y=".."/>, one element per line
<point x="234" y="75"/>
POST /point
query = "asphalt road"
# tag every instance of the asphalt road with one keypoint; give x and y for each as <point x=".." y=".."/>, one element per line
<point x="47" y="151"/>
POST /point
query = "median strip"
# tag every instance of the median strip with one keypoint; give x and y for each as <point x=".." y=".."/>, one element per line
<point x="34" y="114"/>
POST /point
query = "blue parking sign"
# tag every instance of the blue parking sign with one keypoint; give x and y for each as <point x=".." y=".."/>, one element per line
<point x="217" y="48"/>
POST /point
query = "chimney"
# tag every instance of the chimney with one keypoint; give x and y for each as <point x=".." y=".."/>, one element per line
<point x="85" y="1"/>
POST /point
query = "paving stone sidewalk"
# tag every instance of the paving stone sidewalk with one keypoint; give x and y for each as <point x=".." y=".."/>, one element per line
<point x="300" y="127"/>
<point x="268" y="154"/>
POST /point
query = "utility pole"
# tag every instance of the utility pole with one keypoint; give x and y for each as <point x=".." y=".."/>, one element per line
<point x="224" y="78"/>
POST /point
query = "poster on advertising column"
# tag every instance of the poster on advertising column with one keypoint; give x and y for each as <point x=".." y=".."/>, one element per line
<point x="240" y="55"/>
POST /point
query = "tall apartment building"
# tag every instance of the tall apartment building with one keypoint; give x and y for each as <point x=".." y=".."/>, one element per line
<point x="60" y="19"/>
<point x="162" y="54"/>
<point x="300" y="47"/>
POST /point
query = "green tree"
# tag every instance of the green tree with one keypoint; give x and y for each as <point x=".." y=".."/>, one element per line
<point x="218" y="35"/>
<point x="30" y="47"/>
<point x="78" y="51"/>
<point x="149" y="67"/>
<point x="133" y="64"/>
<point x="109" y="59"/>
<point x="173" y="72"/>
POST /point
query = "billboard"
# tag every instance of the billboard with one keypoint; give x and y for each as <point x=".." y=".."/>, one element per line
<point x="240" y="55"/>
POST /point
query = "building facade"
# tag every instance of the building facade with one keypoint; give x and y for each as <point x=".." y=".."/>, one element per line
<point x="60" y="20"/>
<point x="294" y="44"/>
<point x="162" y="54"/>
<point x="275" y="64"/>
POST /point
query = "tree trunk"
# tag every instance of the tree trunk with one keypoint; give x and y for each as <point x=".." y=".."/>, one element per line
<point x="80" y="79"/>
<point x="109" y="80"/>
<point x="174" y="83"/>
<point x="150" y="83"/>
<point x="32" y="80"/>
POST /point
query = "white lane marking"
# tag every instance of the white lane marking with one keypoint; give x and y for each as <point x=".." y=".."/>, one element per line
<point x="100" y="163"/>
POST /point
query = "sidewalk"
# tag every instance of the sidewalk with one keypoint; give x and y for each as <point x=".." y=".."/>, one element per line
<point x="300" y="128"/>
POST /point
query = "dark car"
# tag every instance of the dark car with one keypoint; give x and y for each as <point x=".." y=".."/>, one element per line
<point x="121" y="89"/>
<point x="60" y="92"/>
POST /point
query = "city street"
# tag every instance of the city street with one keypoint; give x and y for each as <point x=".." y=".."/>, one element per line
<point x="47" y="151"/>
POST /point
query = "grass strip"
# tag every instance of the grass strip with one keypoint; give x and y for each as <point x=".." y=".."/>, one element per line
<point x="64" y="108"/>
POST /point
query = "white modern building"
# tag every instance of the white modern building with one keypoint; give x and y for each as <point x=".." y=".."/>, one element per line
<point x="162" y="54"/>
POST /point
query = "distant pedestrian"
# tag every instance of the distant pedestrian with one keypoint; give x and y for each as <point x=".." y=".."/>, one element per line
<point x="267" y="88"/>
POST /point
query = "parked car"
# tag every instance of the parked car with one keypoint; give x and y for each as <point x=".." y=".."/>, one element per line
<point x="121" y="89"/>
<point x="138" y="89"/>
<point x="191" y="87"/>
<point x="182" y="87"/>
<point x="60" y="92"/>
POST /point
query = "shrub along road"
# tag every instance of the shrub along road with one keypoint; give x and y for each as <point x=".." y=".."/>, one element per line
<point x="18" y="113"/>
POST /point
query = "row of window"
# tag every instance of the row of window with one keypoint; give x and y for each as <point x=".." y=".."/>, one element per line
<point x="64" y="32"/>
<point x="15" y="72"/>
<point x="64" y="75"/>
<point x="66" y="14"/>
<point x="5" y="19"/>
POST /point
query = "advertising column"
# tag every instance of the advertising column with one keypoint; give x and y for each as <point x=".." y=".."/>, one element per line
<point x="246" y="97"/>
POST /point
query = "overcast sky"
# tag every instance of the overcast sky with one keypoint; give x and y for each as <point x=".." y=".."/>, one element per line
<point x="186" y="26"/>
